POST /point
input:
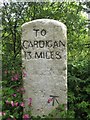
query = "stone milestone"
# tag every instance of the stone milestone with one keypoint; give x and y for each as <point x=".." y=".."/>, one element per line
<point x="44" y="50"/>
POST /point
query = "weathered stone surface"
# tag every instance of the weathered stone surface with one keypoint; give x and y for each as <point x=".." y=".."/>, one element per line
<point x="44" y="58"/>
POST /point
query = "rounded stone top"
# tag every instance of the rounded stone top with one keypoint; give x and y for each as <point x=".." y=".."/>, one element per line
<point x="45" y="21"/>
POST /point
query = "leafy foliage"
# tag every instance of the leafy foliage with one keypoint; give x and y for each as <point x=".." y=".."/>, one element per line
<point x="70" y="13"/>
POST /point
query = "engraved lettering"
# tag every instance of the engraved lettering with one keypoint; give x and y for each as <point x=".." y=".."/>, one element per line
<point x="43" y="32"/>
<point x="25" y="44"/>
<point x="36" y="31"/>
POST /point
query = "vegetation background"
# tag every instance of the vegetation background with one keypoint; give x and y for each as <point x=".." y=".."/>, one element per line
<point x="71" y="14"/>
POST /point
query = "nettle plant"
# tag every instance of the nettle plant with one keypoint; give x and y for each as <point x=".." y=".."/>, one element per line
<point x="12" y="92"/>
